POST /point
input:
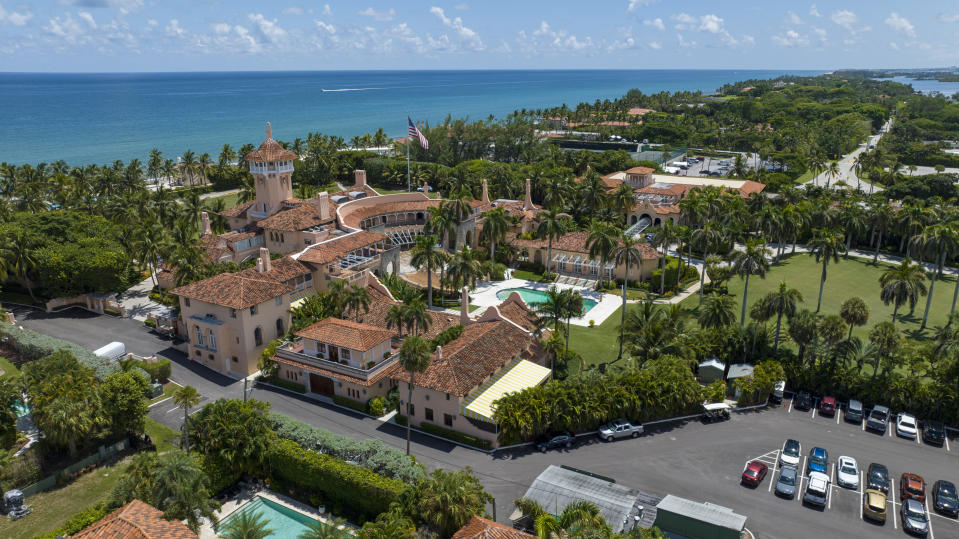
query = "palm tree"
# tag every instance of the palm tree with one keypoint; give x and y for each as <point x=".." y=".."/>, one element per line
<point x="854" y="312"/>
<point x="826" y="245"/>
<point x="332" y="530"/>
<point x="832" y="172"/>
<point x="357" y="298"/>
<point x="705" y="237"/>
<point x="886" y="339"/>
<point x="189" y="165"/>
<point x="717" y="311"/>
<point x="803" y="329"/>
<point x="550" y="311"/>
<point x="941" y="240"/>
<point x="572" y="306"/>
<point x="443" y="223"/>
<point x="186" y="397"/>
<point x="552" y="225"/>
<point x="602" y="242"/>
<point x="880" y="217"/>
<point x="152" y="242"/>
<point x="465" y="268"/>
<point x="415" y="315"/>
<point x="181" y="489"/>
<point x="831" y="329"/>
<point x="16" y="257"/>
<point x="623" y="200"/>
<point x="425" y="255"/>
<point x="495" y="224"/>
<point x="752" y="260"/>
<point x="782" y="302"/>
<point x="625" y="254"/>
<point x="396" y="318"/>
<point x="414" y="358"/>
<point x="247" y="525"/>
<point x="901" y="284"/>
<point x="666" y="235"/>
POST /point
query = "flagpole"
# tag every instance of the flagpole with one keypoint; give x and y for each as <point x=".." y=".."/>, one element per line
<point x="409" y="141"/>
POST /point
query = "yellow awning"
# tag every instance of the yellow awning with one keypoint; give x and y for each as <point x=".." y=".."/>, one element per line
<point x="517" y="377"/>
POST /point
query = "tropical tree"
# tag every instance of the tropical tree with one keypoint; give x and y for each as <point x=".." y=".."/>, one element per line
<point x="414" y="358"/>
<point x="17" y="258"/>
<point x="940" y="240"/>
<point x="653" y="331"/>
<point x="803" y="329"/>
<point x="752" y="260"/>
<point x="901" y="284"/>
<point x="705" y="238"/>
<point x="392" y="524"/>
<point x="572" y="302"/>
<point x="247" y="525"/>
<point x="717" y="311"/>
<point x="465" y="268"/>
<point x="854" y="312"/>
<point x="832" y="329"/>
<point x="782" y="302"/>
<point x="232" y="433"/>
<point x="186" y="397"/>
<point x="578" y="519"/>
<point x="552" y="225"/>
<point x="666" y="235"/>
<point x="885" y="337"/>
<point x="357" y="298"/>
<point x="446" y="501"/>
<point x="495" y="224"/>
<point x="826" y="245"/>
<point x="602" y="242"/>
<point x="625" y="254"/>
<point x="336" y="529"/>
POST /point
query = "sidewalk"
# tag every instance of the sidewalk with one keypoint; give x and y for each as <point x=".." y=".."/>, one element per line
<point x="136" y="300"/>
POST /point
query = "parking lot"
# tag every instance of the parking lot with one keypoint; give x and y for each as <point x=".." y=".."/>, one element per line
<point x="840" y="437"/>
<point x="713" y="164"/>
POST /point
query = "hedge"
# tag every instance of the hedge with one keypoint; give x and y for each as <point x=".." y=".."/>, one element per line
<point x="372" y="453"/>
<point x="287" y="384"/>
<point x="350" y="403"/>
<point x="31" y="346"/>
<point x="159" y="371"/>
<point x="456" y="436"/>
<point x="77" y="522"/>
<point x="354" y="488"/>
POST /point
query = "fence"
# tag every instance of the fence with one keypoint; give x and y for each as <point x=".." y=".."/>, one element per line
<point x="104" y="452"/>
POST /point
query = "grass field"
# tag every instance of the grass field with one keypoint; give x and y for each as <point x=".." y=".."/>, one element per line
<point x="163" y="436"/>
<point x="432" y="194"/>
<point x="52" y="508"/>
<point x="8" y="368"/>
<point x="228" y="200"/>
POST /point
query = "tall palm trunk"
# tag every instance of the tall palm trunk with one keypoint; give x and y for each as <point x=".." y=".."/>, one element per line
<point x="875" y="256"/>
<point x="779" y="320"/>
<point x="566" y="352"/>
<point x="622" y="317"/>
<point x="186" y="429"/>
<point x="895" y="310"/>
<point x="409" y="415"/>
<point x="429" y="286"/>
<point x="822" y="283"/>
<point x="742" y="319"/>
<point x="702" y="277"/>
<point x="955" y="296"/>
<point x="549" y="256"/>
<point x="932" y="286"/>
<point x="662" y="274"/>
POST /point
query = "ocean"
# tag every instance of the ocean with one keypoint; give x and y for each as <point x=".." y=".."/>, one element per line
<point x="99" y="118"/>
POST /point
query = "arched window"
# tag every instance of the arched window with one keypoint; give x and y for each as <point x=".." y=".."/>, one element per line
<point x="279" y="327"/>
<point x="258" y="337"/>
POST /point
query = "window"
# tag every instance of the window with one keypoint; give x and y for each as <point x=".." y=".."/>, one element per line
<point x="197" y="353"/>
<point x="345" y="353"/>
<point x="236" y="359"/>
<point x="447" y="396"/>
<point x="427" y="397"/>
<point x="210" y="357"/>
<point x="279" y="327"/>
<point x="199" y="336"/>
<point x="429" y="414"/>
<point x="448" y="420"/>
<point x="186" y="301"/>
<point x="212" y="344"/>
<point x="258" y="337"/>
<point x="253" y="310"/>
<point x="278" y="300"/>
<point x="232" y="313"/>
<point x="411" y="409"/>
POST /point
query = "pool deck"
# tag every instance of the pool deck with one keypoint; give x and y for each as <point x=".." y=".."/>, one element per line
<point x="233" y="504"/>
<point x="606" y="304"/>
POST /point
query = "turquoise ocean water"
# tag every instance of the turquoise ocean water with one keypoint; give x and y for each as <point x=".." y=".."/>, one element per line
<point x="99" y="118"/>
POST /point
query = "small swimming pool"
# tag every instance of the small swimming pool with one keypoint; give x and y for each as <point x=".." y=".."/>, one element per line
<point x="284" y="522"/>
<point x="22" y="409"/>
<point x="531" y="297"/>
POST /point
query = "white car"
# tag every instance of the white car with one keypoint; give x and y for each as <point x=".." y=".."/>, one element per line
<point x="791" y="453"/>
<point x="906" y="425"/>
<point x="847" y="474"/>
<point x="817" y="490"/>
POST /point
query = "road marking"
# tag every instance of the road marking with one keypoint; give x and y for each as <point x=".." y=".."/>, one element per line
<point x="838" y="414"/>
<point x="160" y="401"/>
<point x="773" y="476"/>
<point x="918" y="439"/>
<point x="832" y="472"/>
<point x="889" y="429"/>
<point x="892" y="500"/>
<point x="864" y="425"/>
<point x="947" y="443"/>
<point x="174" y="409"/>
<point x="802" y="477"/>
<point x="929" y="520"/>
<point x="174" y="382"/>
<point x="814" y="408"/>
<point x="791" y="401"/>
<point x="862" y="480"/>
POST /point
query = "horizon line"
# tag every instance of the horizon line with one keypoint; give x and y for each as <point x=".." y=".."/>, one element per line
<point x="394" y="70"/>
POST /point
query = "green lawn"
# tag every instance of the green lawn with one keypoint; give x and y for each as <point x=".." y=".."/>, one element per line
<point x="8" y="368"/>
<point x="228" y="200"/>
<point x="168" y="389"/>
<point x="432" y="194"/>
<point x="598" y="344"/>
<point x="52" y="508"/>
<point x="850" y="277"/>
<point x="163" y="436"/>
<point x="528" y="275"/>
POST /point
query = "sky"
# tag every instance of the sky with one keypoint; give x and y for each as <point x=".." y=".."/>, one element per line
<point x="229" y="35"/>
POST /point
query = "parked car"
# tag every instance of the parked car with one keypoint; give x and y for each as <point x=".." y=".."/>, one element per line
<point x="786" y="485"/>
<point x="847" y="472"/>
<point x="914" y="518"/>
<point x="725" y="163"/>
<point x="906" y="425"/>
<point x="877" y="477"/>
<point x="778" y="390"/>
<point x="817" y="489"/>
<point x="619" y="428"/>
<point x="754" y="473"/>
<point x="878" y="419"/>
<point x="714" y="173"/>
<point x="827" y="406"/>
<point x="715" y="411"/>
<point x="789" y="456"/>
<point x="933" y="433"/>
<point x="564" y="439"/>
<point x="874" y="505"/>
<point x="803" y="401"/>
<point x="944" y="498"/>
<point x="854" y="411"/>
<point x="818" y="460"/>
<point x="912" y="486"/>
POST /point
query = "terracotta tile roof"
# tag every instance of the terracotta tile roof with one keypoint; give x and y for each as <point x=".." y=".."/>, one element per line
<point x="514" y="208"/>
<point x="301" y="217"/>
<point x="281" y="270"/>
<point x="237" y="211"/>
<point x="750" y="187"/>
<point x="136" y="520"/>
<point x="336" y="248"/>
<point x="380" y="304"/>
<point x="575" y="242"/>
<point x="270" y="150"/>
<point x="234" y="290"/>
<point x="639" y="111"/>
<point x="233" y="237"/>
<point x="518" y="314"/>
<point x="356" y="216"/>
<point x="385" y="373"/>
<point x="482" y="528"/>
<point x="482" y="349"/>
<point x="346" y="334"/>
<point x="640" y="170"/>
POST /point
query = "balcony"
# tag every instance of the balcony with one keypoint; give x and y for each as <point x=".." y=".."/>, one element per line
<point x="293" y="350"/>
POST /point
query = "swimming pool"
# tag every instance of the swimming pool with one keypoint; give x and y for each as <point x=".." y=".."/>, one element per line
<point x="531" y="297"/>
<point x="284" y="522"/>
<point x="22" y="409"/>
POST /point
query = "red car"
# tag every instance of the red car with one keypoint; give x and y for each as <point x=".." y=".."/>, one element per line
<point x="912" y="486"/>
<point x="827" y="406"/>
<point x="754" y="473"/>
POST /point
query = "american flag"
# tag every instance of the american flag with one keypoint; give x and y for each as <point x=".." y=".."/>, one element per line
<point x="415" y="132"/>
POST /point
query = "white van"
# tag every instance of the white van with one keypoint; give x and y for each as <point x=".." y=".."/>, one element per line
<point x="778" y="391"/>
<point x="113" y="351"/>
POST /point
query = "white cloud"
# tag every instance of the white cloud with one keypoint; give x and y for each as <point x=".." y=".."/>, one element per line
<point x="821" y="32"/>
<point x="464" y="7"/>
<point x="467" y="35"/>
<point x="711" y="24"/>
<point x="124" y="6"/>
<point x="385" y="15"/>
<point x="683" y="42"/>
<point x="844" y="18"/>
<point x="793" y="18"/>
<point x="546" y="39"/>
<point x="636" y="4"/>
<point x="15" y="18"/>
<point x="326" y="10"/>
<point x="268" y="29"/>
<point x="901" y="25"/>
<point x="791" y="38"/>
<point x="685" y="21"/>
<point x="893" y="46"/>
<point x="655" y="45"/>
<point x="814" y="12"/>
<point x="221" y="28"/>
<point x="947" y="18"/>
<point x="68" y="29"/>
<point x="293" y="10"/>
<point x="173" y="29"/>
<point x="89" y="18"/>
<point x="329" y="28"/>
<point x="656" y="23"/>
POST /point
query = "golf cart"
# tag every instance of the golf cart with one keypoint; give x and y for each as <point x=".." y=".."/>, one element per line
<point x="716" y="411"/>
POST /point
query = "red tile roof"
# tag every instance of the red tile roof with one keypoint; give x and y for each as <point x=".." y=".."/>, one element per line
<point x="245" y="288"/>
<point x="482" y="528"/>
<point x="518" y="314"/>
<point x="380" y="304"/>
<point x="575" y="242"/>
<point x="301" y="217"/>
<point x="270" y="150"/>
<point x="385" y="373"/>
<point x="346" y="334"/>
<point x="281" y="270"/>
<point x="136" y="520"/>
<point x="237" y="211"/>
<point x="355" y="216"/>
<point x="334" y="249"/>
<point x="640" y="170"/>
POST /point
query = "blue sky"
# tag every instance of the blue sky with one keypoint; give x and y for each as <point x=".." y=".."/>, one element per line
<point x="175" y="35"/>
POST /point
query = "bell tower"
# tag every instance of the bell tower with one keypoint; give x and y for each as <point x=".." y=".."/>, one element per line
<point x="272" y="168"/>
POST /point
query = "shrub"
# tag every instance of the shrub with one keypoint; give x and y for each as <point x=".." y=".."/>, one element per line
<point x="456" y="436"/>
<point x="350" y="403"/>
<point x="159" y="371"/>
<point x="689" y="273"/>
<point x="364" y="492"/>
<point x="31" y="346"/>
<point x="150" y="323"/>
<point x="376" y="406"/>
<point x="288" y="384"/>
<point x="112" y="312"/>
<point x="449" y="334"/>
<point x="716" y="391"/>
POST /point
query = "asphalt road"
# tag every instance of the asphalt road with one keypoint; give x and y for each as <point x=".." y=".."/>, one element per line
<point x="688" y="459"/>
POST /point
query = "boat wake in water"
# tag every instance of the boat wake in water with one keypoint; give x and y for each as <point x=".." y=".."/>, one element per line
<point x="350" y="89"/>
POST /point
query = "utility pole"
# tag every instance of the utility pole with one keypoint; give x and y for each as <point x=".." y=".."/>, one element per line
<point x="244" y="389"/>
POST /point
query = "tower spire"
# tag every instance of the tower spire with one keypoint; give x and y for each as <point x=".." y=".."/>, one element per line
<point x="269" y="131"/>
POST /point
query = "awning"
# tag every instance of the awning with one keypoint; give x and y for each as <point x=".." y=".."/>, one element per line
<point x="520" y="375"/>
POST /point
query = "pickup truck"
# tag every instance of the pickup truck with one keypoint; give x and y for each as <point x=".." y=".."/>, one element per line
<point x="619" y="428"/>
<point x="878" y="419"/>
<point x="817" y="489"/>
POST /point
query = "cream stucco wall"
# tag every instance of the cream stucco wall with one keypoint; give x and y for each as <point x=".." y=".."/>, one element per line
<point x="441" y="404"/>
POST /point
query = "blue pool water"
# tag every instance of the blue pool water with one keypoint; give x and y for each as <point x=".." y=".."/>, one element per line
<point x="537" y="296"/>
<point x="22" y="409"/>
<point x="285" y="522"/>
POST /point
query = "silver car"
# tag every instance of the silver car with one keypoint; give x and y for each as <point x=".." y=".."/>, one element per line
<point x="914" y="517"/>
<point x="786" y="485"/>
<point x="619" y="428"/>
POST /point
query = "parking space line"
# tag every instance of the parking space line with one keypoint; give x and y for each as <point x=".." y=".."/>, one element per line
<point x="773" y="476"/>
<point x="892" y="500"/>
<point x="947" y="443"/>
<point x="918" y="439"/>
<point x="838" y="414"/>
<point x="889" y="429"/>
<point x="791" y="401"/>
<point x="862" y="481"/>
<point x="929" y="520"/>
<point x="802" y="477"/>
<point x="864" y="424"/>
<point x="832" y="473"/>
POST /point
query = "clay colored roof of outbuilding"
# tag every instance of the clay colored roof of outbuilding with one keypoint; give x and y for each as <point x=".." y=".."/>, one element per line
<point x="346" y="334"/>
<point x="233" y="290"/>
<point x="356" y="216"/>
<point x="640" y="170"/>
<point x="575" y="242"/>
<point x="136" y="520"/>
<point x="336" y="248"/>
<point x="482" y="528"/>
<point x="236" y="211"/>
<point x="380" y="304"/>
<point x="301" y="217"/>
<point x="281" y="270"/>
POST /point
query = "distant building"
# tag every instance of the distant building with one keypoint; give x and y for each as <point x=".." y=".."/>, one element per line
<point x="483" y="528"/>
<point x="136" y="520"/>
<point x="679" y="517"/>
<point x="571" y="258"/>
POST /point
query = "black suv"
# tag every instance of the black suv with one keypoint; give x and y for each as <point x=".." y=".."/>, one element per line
<point x="854" y="411"/>
<point x="933" y="432"/>
<point x="877" y="477"/>
<point x="803" y="401"/>
<point x="564" y="439"/>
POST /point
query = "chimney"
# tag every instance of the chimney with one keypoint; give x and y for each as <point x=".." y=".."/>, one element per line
<point x="439" y="354"/>
<point x="528" y="201"/>
<point x="205" y="218"/>
<point x="265" y="258"/>
<point x="360" y="176"/>
<point x="485" y="192"/>
<point x="322" y="203"/>
<point x="465" y="307"/>
<point x="426" y="188"/>
<point x="259" y="265"/>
